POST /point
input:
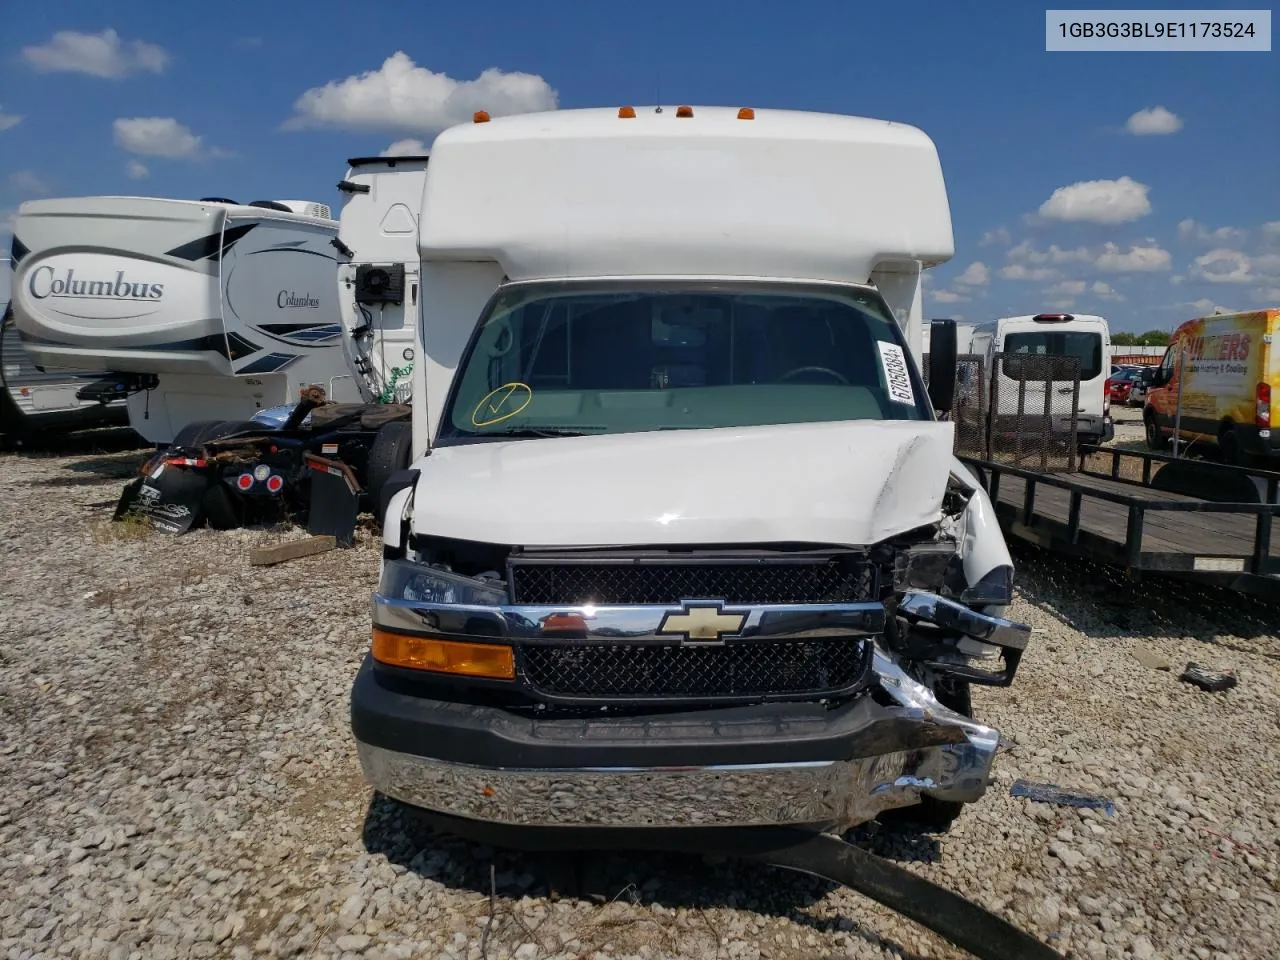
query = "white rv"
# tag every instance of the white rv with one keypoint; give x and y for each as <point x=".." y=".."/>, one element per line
<point x="1087" y="338"/>
<point x="203" y="310"/>
<point x="684" y="543"/>
<point x="378" y="285"/>
<point x="34" y="401"/>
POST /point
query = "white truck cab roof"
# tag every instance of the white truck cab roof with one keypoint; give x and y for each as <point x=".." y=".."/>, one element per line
<point x="591" y="193"/>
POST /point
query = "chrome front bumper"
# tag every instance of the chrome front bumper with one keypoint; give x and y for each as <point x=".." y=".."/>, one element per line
<point x="835" y="793"/>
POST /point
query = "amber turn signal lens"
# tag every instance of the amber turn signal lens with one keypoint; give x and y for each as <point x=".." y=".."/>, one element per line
<point x="746" y="113"/>
<point x="626" y="113"/>
<point x="684" y="111"/>
<point x="444" y="656"/>
<point x="480" y="116"/>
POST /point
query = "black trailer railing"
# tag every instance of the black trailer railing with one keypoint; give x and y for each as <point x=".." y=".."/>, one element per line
<point x="1126" y="516"/>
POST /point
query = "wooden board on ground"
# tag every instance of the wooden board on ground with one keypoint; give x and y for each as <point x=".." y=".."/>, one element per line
<point x="291" y="550"/>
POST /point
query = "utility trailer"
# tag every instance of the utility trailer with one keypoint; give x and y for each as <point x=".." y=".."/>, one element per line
<point x="1147" y="512"/>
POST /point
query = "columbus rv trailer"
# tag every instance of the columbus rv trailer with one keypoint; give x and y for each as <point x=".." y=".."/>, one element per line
<point x="378" y="288"/>
<point x="200" y="310"/>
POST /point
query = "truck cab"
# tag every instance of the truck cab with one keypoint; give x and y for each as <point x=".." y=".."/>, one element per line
<point x="684" y="543"/>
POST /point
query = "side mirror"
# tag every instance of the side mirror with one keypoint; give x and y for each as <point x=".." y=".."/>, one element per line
<point x="942" y="364"/>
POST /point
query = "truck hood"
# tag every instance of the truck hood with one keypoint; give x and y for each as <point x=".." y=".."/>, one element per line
<point x="851" y="483"/>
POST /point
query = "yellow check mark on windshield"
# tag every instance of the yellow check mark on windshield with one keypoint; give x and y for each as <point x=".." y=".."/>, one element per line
<point x="497" y="405"/>
<point x="503" y="395"/>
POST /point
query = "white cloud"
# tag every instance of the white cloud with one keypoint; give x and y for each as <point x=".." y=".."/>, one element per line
<point x="1060" y="303"/>
<point x="97" y="54"/>
<point x="161" y="137"/>
<point x="136" y="171"/>
<point x="947" y="296"/>
<point x="1135" y="260"/>
<point x="400" y="95"/>
<point x="999" y="235"/>
<point x="1098" y="201"/>
<point x="27" y="182"/>
<point x="411" y="147"/>
<point x="1206" y="306"/>
<point x="1191" y="230"/>
<point x="1223" y="266"/>
<point x="1016" y="271"/>
<point x="1153" y="120"/>
<point x="1068" y="288"/>
<point x="1271" y="230"/>
<point x="1269" y="295"/>
<point x="1177" y="279"/>
<point x="1104" y="291"/>
<point x="1055" y="254"/>
<point x="8" y="120"/>
<point x="975" y="275"/>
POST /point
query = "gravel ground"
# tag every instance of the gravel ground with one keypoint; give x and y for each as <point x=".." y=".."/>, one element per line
<point x="177" y="777"/>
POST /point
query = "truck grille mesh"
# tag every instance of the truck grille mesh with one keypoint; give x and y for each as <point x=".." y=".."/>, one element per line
<point x="664" y="583"/>
<point x="748" y="669"/>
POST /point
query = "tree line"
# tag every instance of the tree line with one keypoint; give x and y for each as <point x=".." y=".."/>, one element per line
<point x="1152" y="338"/>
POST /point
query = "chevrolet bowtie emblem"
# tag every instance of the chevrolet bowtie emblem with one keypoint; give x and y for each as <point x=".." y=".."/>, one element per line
<point x="706" y="622"/>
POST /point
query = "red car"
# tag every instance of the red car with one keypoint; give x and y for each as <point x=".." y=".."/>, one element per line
<point x="1120" y="385"/>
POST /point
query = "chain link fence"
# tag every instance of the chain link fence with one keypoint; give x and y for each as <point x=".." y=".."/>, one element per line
<point x="1020" y="411"/>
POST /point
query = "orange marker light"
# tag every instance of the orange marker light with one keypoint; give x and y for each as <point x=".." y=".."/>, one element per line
<point x="480" y="116"/>
<point x="684" y="111"/>
<point x="626" y="113"/>
<point x="492" y="660"/>
<point x="746" y="113"/>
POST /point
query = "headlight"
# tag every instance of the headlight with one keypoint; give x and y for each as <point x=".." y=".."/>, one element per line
<point x="403" y="580"/>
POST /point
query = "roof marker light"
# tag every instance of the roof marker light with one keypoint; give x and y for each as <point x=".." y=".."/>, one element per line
<point x="626" y="113"/>
<point x="746" y="113"/>
<point x="480" y="116"/>
<point x="684" y="111"/>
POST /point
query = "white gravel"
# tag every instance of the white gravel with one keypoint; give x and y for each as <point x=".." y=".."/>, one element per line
<point x="177" y="777"/>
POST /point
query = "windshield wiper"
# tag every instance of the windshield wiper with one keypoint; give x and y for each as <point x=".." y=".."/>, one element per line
<point x="541" y="432"/>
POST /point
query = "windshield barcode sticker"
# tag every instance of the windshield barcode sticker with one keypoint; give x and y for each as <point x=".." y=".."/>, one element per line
<point x="896" y="377"/>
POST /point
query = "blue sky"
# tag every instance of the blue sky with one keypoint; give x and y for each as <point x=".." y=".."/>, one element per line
<point x="1057" y="204"/>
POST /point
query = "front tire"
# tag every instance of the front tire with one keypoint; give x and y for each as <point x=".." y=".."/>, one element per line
<point x="1156" y="440"/>
<point x="390" y="452"/>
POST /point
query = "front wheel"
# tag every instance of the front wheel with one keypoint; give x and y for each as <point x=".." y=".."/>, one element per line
<point x="1156" y="440"/>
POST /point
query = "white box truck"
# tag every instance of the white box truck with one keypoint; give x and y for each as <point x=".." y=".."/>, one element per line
<point x="684" y="543"/>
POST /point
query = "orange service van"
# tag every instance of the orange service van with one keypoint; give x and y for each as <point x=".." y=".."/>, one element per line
<point x="1216" y="383"/>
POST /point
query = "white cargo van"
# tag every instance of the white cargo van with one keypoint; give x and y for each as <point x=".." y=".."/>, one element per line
<point x="1087" y="338"/>
<point x="684" y="543"/>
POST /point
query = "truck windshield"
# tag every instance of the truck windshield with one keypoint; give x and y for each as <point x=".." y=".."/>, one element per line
<point x="1085" y="345"/>
<point x="567" y="358"/>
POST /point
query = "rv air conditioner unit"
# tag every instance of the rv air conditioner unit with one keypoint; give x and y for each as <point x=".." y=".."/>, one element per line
<point x="380" y="283"/>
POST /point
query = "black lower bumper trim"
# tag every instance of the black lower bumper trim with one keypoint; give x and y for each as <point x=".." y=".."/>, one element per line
<point x="490" y="736"/>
